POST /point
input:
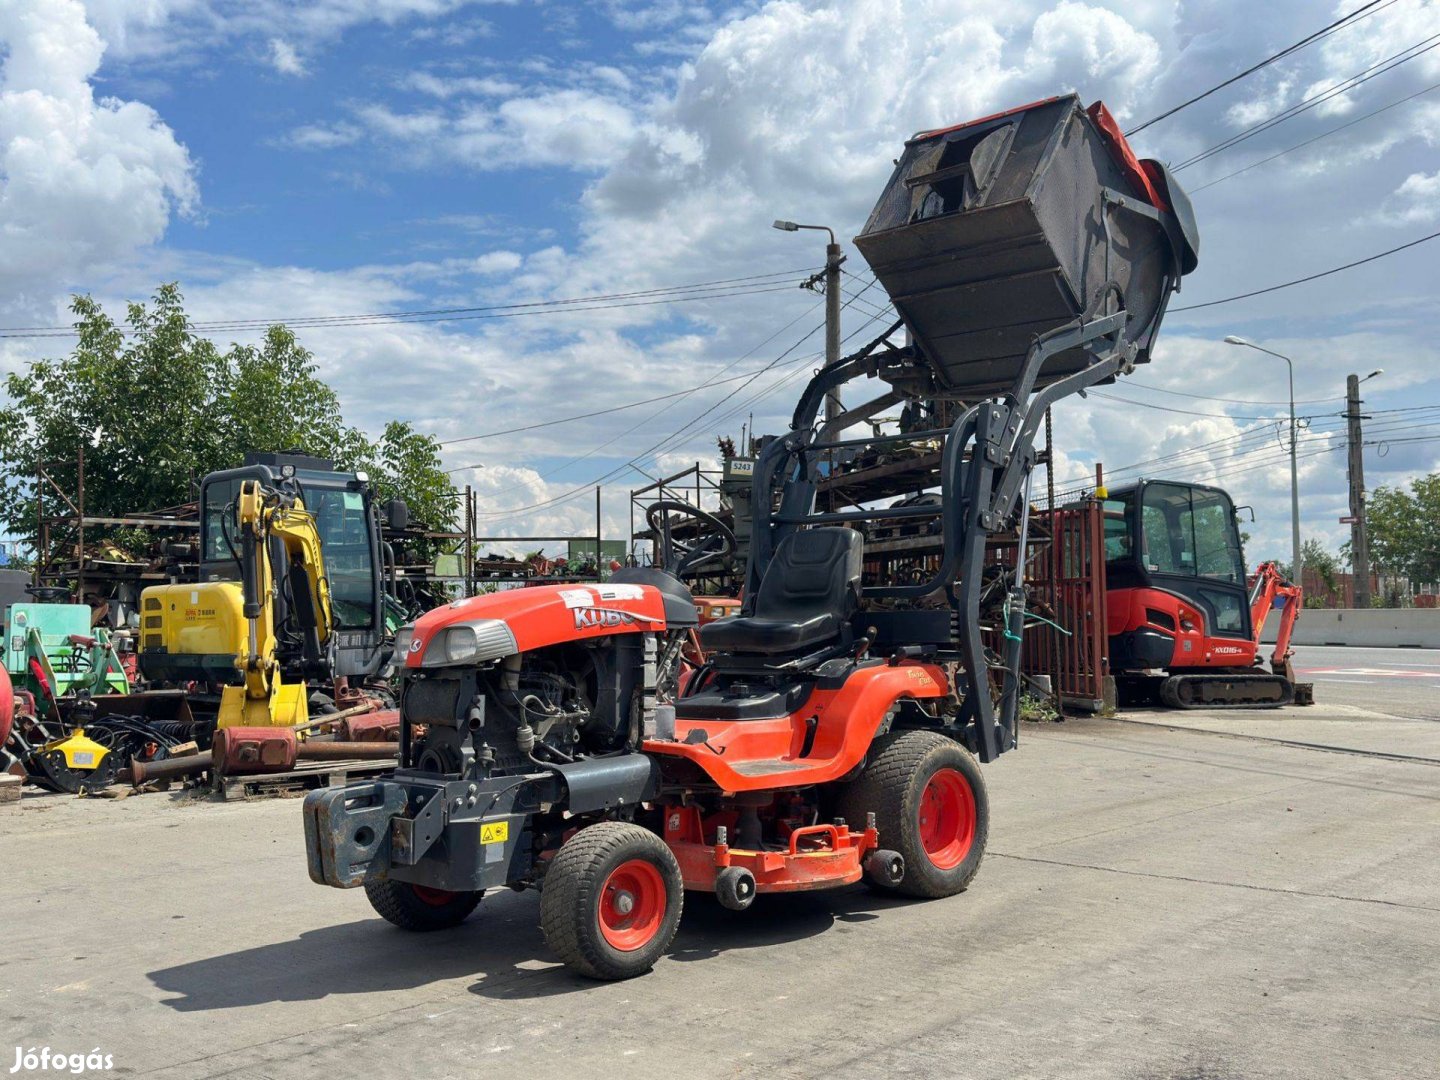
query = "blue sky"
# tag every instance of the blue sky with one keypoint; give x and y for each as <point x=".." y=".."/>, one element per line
<point x="342" y="157"/>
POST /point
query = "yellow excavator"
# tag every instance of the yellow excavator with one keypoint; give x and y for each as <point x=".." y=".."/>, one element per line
<point x="259" y="637"/>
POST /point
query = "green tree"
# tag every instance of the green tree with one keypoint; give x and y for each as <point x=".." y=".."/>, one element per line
<point x="1404" y="529"/>
<point x="155" y="407"/>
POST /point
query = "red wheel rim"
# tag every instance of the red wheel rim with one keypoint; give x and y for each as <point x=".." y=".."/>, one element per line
<point x="433" y="897"/>
<point x="632" y="905"/>
<point x="947" y="819"/>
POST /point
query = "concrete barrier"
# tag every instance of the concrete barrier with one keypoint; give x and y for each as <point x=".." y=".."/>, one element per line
<point x="1412" y="627"/>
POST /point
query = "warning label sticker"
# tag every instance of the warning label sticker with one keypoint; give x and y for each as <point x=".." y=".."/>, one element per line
<point x="494" y="832"/>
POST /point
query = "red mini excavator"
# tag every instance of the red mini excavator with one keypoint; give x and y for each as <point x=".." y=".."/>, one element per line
<point x="836" y="727"/>
<point x="1183" y="623"/>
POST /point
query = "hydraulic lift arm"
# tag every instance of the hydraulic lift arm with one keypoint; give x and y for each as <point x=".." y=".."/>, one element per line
<point x="1269" y="586"/>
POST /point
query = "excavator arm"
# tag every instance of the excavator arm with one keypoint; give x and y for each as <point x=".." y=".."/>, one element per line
<point x="1270" y="585"/>
<point x="263" y="514"/>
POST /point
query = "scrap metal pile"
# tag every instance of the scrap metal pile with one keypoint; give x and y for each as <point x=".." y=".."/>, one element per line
<point x="265" y="656"/>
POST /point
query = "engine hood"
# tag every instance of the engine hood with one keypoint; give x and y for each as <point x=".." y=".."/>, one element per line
<point x="544" y="615"/>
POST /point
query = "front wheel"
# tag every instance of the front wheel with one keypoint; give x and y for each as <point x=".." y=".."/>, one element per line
<point x="612" y="900"/>
<point x="930" y="805"/>
<point x="417" y="907"/>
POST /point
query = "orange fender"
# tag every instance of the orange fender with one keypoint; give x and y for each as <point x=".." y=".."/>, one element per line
<point x="754" y="755"/>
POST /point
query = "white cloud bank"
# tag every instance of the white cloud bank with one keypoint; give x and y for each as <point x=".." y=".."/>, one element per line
<point x="83" y="181"/>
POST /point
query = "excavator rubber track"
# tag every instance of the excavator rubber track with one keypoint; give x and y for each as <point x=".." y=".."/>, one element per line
<point x="1222" y="691"/>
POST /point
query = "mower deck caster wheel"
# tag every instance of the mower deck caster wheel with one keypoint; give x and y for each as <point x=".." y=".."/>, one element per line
<point x="885" y="868"/>
<point x="612" y="900"/>
<point x="735" y="888"/>
<point x="415" y="907"/>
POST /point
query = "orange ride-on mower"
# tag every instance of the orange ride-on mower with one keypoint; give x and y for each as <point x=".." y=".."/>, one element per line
<point x="836" y="727"/>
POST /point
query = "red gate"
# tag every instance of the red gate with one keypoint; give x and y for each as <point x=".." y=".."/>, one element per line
<point x="1069" y="579"/>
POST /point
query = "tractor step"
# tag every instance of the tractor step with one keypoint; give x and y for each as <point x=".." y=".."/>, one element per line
<point x="1219" y="691"/>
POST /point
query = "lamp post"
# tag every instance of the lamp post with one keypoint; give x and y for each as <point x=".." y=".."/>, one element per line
<point x="1296" y="569"/>
<point x="833" y="259"/>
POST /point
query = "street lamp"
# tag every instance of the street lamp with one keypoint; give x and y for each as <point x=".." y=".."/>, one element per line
<point x="833" y="259"/>
<point x="1231" y="339"/>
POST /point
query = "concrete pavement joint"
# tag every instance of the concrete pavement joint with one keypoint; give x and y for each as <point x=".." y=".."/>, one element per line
<point x="1323" y="747"/>
<point x="1211" y="881"/>
<point x="1229" y="766"/>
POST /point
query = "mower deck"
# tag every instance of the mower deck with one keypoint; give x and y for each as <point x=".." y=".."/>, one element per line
<point x="817" y="857"/>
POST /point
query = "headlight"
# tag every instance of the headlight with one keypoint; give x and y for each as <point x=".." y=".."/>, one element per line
<point x="470" y="643"/>
<point x="403" y="637"/>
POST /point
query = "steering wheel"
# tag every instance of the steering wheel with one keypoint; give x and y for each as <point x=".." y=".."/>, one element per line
<point x="678" y="556"/>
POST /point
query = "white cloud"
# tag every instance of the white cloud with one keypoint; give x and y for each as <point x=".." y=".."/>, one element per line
<point x="284" y="58"/>
<point x="322" y="136"/>
<point x="1075" y="39"/>
<point x="179" y="30"/>
<point x="82" y="182"/>
<point x="1415" y="202"/>
<point x="794" y="109"/>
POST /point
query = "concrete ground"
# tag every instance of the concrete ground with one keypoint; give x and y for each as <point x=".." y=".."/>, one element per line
<point x="1186" y="896"/>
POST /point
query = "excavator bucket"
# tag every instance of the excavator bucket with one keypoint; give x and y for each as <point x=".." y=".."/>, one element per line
<point x="287" y="706"/>
<point x="996" y="231"/>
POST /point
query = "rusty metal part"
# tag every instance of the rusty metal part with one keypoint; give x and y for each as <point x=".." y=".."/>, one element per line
<point x="314" y="750"/>
<point x="250" y="750"/>
<point x="253" y="749"/>
<point x="144" y="772"/>
<point x="348" y="697"/>
<point x="325" y="719"/>
<point x="383" y="726"/>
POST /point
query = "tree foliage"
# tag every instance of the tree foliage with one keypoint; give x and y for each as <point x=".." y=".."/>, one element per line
<point x="1404" y="529"/>
<point x="155" y="407"/>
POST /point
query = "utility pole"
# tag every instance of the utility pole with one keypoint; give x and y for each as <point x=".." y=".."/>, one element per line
<point x="831" y="276"/>
<point x="833" y="259"/>
<point x="1359" y="538"/>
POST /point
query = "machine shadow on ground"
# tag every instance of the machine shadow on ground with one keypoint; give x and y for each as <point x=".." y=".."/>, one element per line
<point x="501" y="942"/>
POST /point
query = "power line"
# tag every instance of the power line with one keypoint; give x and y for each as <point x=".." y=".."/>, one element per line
<point x="737" y="285"/>
<point x="1130" y="384"/>
<point x="634" y="461"/>
<point x="586" y="416"/>
<point x="1344" y="86"/>
<point x="1171" y="408"/>
<point x="1195" y="456"/>
<point x="1303" y="280"/>
<point x="537" y="309"/>
<point x="1315" y="139"/>
<point x="1309" y="39"/>
<point x="639" y="457"/>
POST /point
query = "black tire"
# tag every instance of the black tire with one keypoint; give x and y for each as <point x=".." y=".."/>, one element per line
<point x="413" y="907"/>
<point x="893" y="786"/>
<point x="735" y="888"/>
<point x="583" y="920"/>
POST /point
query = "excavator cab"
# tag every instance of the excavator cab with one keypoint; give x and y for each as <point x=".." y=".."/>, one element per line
<point x="347" y="519"/>
<point x="1181" y="615"/>
<point x="1182" y="541"/>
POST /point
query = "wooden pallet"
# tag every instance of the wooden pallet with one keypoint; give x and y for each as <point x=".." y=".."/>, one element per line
<point x="307" y="776"/>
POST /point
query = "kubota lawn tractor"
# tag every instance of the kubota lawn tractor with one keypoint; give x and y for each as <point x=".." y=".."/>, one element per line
<point x="835" y="728"/>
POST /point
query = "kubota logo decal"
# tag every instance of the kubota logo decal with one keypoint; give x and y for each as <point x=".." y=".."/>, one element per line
<point x="590" y="618"/>
<point x="416" y="644"/>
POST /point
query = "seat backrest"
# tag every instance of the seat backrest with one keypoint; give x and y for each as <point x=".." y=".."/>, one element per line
<point x="814" y="571"/>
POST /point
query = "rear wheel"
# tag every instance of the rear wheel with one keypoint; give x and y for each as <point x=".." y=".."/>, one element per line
<point x="418" y="907"/>
<point x="612" y="900"/>
<point x="930" y="805"/>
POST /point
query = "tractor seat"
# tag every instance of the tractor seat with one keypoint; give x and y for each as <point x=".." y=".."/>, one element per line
<point x="805" y="600"/>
